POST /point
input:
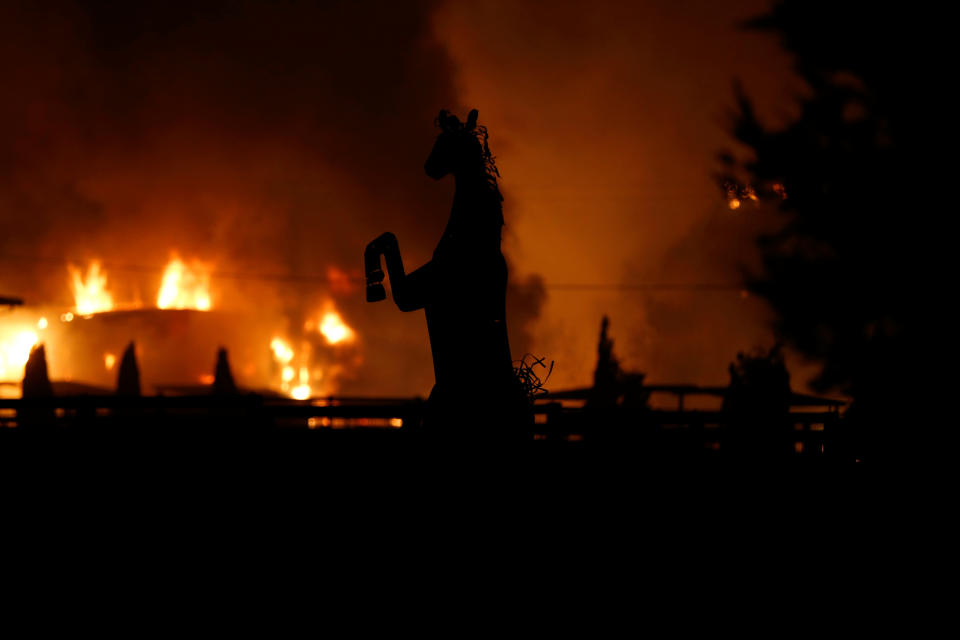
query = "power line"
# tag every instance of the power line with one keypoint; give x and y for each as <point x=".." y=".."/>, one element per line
<point x="648" y="286"/>
<point x="326" y="279"/>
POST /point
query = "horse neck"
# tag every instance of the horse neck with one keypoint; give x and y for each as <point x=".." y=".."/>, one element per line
<point x="475" y="198"/>
<point x="471" y="186"/>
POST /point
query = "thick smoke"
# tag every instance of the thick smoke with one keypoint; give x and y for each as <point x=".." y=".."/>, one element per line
<point x="267" y="137"/>
<point x="609" y="117"/>
<point x="279" y="137"/>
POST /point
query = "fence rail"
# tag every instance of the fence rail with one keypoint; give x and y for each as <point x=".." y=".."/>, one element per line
<point x="798" y="433"/>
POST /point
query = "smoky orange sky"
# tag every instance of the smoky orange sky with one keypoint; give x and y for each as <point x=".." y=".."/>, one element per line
<point x="608" y="118"/>
<point x="279" y="138"/>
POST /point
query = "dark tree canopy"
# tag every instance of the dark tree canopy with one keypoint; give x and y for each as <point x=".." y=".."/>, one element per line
<point x="854" y="179"/>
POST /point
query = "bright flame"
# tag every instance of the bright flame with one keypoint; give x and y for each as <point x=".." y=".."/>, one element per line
<point x="14" y="353"/>
<point x="185" y="287"/>
<point x="109" y="360"/>
<point x="335" y="330"/>
<point x="42" y="323"/>
<point x="90" y="294"/>
<point x="282" y="352"/>
<point x="298" y="369"/>
<point x="301" y="392"/>
<point x="283" y="355"/>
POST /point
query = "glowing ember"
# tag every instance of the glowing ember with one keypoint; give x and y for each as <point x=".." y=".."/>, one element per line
<point x="42" y="323"/>
<point x="90" y="293"/>
<point x="14" y="352"/>
<point x="734" y="203"/>
<point x="109" y="360"/>
<point x="185" y="287"/>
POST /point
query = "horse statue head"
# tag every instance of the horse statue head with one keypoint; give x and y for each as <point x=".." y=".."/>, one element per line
<point x="460" y="149"/>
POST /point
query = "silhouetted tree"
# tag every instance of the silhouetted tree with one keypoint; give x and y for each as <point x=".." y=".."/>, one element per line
<point x="852" y="178"/>
<point x="606" y="377"/>
<point x="222" y="377"/>
<point x="618" y="398"/>
<point x="128" y="378"/>
<point x="757" y="403"/>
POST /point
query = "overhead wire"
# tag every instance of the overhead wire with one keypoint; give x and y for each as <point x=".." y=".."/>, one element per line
<point x="318" y="278"/>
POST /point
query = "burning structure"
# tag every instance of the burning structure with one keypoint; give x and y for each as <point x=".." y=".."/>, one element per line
<point x="177" y="338"/>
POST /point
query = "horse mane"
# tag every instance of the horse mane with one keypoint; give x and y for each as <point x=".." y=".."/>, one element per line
<point x="449" y="123"/>
<point x="491" y="173"/>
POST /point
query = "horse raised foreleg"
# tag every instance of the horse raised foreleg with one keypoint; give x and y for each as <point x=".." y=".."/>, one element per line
<point x="409" y="291"/>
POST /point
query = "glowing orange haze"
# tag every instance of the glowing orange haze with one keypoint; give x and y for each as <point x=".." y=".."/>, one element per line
<point x="606" y="123"/>
<point x="273" y="153"/>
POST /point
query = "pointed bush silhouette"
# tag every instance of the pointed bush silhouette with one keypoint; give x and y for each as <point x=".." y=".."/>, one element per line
<point x="222" y="377"/>
<point x="36" y="384"/>
<point x="36" y="380"/>
<point x="128" y="378"/>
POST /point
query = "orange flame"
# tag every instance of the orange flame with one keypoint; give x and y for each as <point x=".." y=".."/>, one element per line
<point x="282" y="352"/>
<point x="335" y="330"/>
<point x="90" y="294"/>
<point x="185" y="286"/>
<point x="15" y="350"/>
<point x="332" y="327"/>
<point x="283" y="355"/>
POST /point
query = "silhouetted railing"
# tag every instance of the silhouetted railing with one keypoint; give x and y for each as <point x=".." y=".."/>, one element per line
<point x="805" y="434"/>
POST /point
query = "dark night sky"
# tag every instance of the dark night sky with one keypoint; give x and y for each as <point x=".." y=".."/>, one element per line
<point x="282" y="136"/>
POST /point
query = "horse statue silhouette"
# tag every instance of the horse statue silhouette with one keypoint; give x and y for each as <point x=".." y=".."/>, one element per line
<point x="462" y="290"/>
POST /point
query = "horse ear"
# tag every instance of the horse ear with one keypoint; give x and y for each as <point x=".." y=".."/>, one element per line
<point x="472" y="119"/>
<point x="447" y="121"/>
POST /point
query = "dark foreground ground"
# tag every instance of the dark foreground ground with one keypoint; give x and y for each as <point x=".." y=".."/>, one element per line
<point x="180" y="424"/>
<point x="332" y="447"/>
